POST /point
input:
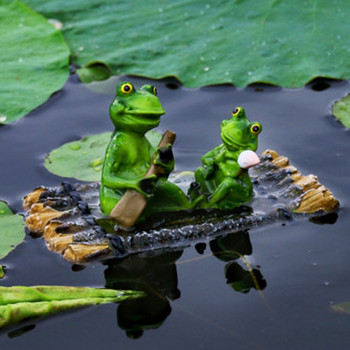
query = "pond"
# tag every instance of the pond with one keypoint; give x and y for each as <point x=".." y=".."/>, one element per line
<point x="202" y="296"/>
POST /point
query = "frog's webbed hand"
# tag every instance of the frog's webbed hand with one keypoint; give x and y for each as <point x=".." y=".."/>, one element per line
<point x="147" y="185"/>
<point x="204" y="173"/>
<point x="165" y="158"/>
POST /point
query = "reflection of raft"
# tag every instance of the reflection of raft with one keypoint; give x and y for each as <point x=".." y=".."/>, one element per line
<point x="70" y="221"/>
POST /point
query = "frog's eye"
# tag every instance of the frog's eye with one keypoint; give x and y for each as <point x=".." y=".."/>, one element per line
<point x="255" y="129"/>
<point x="150" y="88"/>
<point x="126" y="88"/>
<point x="236" y="111"/>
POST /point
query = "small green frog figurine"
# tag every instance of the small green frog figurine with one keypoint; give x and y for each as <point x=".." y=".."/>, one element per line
<point x="223" y="179"/>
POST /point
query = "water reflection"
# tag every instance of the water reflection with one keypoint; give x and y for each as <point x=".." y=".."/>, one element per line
<point x="156" y="274"/>
<point x="232" y="249"/>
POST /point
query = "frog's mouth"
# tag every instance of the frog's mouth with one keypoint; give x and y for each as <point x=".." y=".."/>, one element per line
<point x="155" y="113"/>
<point x="233" y="143"/>
<point x="143" y="117"/>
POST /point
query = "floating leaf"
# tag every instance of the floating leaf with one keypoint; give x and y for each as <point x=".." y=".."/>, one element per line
<point x="20" y="303"/>
<point x="83" y="159"/>
<point x="11" y="230"/>
<point x="341" y="110"/>
<point x="211" y="42"/>
<point x="34" y="60"/>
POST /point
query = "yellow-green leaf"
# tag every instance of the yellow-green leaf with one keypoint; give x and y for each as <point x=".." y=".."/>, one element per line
<point x="21" y="303"/>
<point x="341" y="110"/>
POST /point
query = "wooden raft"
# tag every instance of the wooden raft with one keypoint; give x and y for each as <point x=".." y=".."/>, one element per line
<point x="66" y="232"/>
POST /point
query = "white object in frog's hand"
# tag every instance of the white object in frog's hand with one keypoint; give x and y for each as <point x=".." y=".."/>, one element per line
<point x="248" y="159"/>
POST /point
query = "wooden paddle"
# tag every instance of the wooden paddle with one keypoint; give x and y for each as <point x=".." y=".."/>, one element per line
<point x="132" y="204"/>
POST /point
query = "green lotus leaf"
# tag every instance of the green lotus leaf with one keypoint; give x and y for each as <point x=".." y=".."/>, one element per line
<point x="208" y="42"/>
<point x="34" y="60"/>
<point x="11" y="230"/>
<point x="83" y="159"/>
<point x="21" y="303"/>
<point x="341" y="110"/>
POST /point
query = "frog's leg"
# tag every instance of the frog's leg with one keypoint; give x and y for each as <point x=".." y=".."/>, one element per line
<point x="235" y="191"/>
<point x="167" y="197"/>
<point x="110" y="198"/>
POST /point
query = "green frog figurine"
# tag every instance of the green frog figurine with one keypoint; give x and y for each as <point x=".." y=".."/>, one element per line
<point x="129" y="153"/>
<point x="223" y="181"/>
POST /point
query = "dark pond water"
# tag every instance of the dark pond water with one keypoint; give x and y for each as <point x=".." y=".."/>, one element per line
<point x="202" y="297"/>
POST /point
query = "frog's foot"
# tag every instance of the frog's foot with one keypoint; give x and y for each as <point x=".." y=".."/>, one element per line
<point x="63" y="217"/>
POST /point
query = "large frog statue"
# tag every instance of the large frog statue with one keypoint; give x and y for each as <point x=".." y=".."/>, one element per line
<point x="130" y="154"/>
<point x="223" y="180"/>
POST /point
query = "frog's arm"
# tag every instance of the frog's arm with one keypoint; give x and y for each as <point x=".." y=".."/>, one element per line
<point x="114" y="155"/>
<point x="208" y="164"/>
<point x="229" y="167"/>
<point x="209" y="158"/>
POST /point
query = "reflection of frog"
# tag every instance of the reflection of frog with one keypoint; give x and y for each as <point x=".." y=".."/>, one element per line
<point x="129" y="153"/>
<point x="156" y="275"/>
<point x="223" y="178"/>
<point x="232" y="249"/>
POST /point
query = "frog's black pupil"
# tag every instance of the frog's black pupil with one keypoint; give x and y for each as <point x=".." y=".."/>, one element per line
<point x="126" y="88"/>
<point x="255" y="128"/>
<point x="155" y="91"/>
<point x="235" y="111"/>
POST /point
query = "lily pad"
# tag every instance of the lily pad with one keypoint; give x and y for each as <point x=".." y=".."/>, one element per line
<point x="83" y="159"/>
<point x="203" y="43"/>
<point x="20" y="303"/>
<point x="341" y="110"/>
<point x="11" y="230"/>
<point x="34" y="60"/>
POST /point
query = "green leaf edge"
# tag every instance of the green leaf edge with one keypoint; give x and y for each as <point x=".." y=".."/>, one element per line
<point x="7" y="218"/>
<point x="341" y="110"/>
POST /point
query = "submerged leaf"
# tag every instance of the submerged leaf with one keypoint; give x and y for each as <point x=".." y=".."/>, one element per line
<point x="34" y="60"/>
<point x="211" y="42"/>
<point x="83" y="159"/>
<point x="11" y="230"/>
<point x="342" y="307"/>
<point x="341" y="110"/>
<point x="20" y="303"/>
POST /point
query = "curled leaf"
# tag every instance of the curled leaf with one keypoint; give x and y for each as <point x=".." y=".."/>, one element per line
<point x="21" y="303"/>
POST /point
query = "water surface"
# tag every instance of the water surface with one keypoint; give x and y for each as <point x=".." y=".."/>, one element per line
<point x="202" y="297"/>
